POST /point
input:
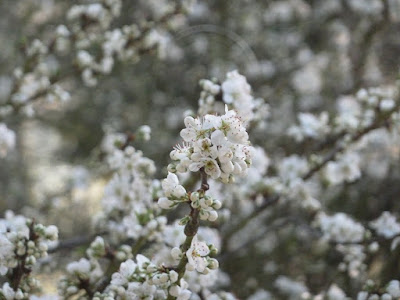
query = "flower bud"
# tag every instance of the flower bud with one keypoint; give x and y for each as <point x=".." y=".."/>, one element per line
<point x="213" y="216"/>
<point x="204" y="215"/>
<point x="173" y="276"/>
<point x="176" y="253"/>
<point x="194" y="196"/>
<point x="164" y="278"/>
<point x="217" y="204"/>
<point x="164" y="203"/>
<point x="213" y="264"/>
<point x="208" y="200"/>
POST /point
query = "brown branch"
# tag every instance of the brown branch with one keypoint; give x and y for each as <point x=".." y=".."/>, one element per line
<point x="190" y="230"/>
<point x="21" y="270"/>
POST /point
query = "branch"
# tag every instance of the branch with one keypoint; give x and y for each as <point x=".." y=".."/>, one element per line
<point x="20" y="270"/>
<point x="190" y="231"/>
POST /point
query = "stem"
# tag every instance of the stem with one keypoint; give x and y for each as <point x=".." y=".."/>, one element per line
<point x="190" y="231"/>
<point x="21" y="270"/>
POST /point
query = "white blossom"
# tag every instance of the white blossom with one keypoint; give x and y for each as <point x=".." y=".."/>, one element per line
<point x="196" y="254"/>
<point x="340" y="228"/>
<point x="386" y="225"/>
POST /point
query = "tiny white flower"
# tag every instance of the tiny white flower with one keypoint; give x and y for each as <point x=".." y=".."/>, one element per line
<point x="196" y="253"/>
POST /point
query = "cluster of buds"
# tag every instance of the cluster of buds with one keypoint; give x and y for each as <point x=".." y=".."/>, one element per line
<point x="22" y="242"/>
<point x="206" y="204"/>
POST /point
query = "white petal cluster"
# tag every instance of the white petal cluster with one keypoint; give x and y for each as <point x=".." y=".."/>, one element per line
<point x="360" y="111"/>
<point x="88" y="272"/>
<point x="208" y="97"/>
<point x="90" y="24"/>
<point x="219" y="144"/>
<point x="84" y="269"/>
<point x="7" y="256"/>
<point x="353" y="260"/>
<point x="393" y="288"/>
<point x="345" y="169"/>
<point x="292" y="167"/>
<point x="97" y="248"/>
<point x="144" y="133"/>
<point x="22" y="241"/>
<point x="307" y="81"/>
<point x="8" y="293"/>
<point x="310" y="126"/>
<point x="31" y="84"/>
<point x="386" y="225"/>
<point x="340" y="228"/>
<point x="128" y="196"/>
<point x="7" y="140"/>
<point x="36" y="82"/>
<point x="141" y="279"/>
<point x="236" y="93"/>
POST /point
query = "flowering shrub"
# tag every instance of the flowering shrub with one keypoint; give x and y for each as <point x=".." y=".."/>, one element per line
<point x="289" y="197"/>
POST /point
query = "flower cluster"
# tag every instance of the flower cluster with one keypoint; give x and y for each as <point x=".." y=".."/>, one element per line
<point x="206" y="204"/>
<point x="340" y="228"/>
<point x="353" y="260"/>
<point x="345" y="169"/>
<point x="90" y="25"/>
<point x="386" y="225"/>
<point x="219" y="144"/>
<point x="310" y="126"/>
<point x="234" y="92"/>
<point x="87" y="273"/>
<point x="22" y="242"/>
<point x="129" y="194"/>
<point x="144" y="280"/>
